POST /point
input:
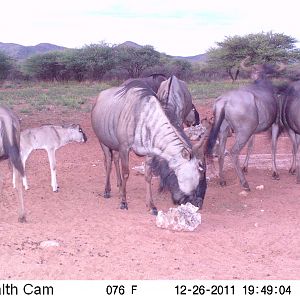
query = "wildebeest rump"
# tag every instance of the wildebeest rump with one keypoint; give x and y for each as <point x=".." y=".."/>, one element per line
<point x="247" y="111"/>
<point x="10" y="149"/>
<point x="131" y="117"/>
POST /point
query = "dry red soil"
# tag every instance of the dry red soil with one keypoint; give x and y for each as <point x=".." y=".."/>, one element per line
<point x="253" y="236"/>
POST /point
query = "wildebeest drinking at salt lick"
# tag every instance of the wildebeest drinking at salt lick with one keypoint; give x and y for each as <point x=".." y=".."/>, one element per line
<point x="131" y="117"/>
<point x="10" y="149"/>
<point x="176" y="101"/>
<point x="247" y="111"/>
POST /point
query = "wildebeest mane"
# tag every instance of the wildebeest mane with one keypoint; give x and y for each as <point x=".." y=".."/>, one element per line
<point x="144" y="89"/>
<point x="160" y="167"/>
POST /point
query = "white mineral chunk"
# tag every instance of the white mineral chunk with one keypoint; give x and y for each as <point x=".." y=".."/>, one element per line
<point x="195" y="132"/>
<point x="49" y="243"/>
<point x="260" y="187"/>
<point x="243" y="193"/>
<point x="183" y="218"/>
<point x="140" y="169"/>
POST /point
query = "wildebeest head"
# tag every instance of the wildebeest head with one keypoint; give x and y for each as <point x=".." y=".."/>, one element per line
<point x="76" y="133"/>
<point x="260" y="71"/>
<point x="172" y="180"/>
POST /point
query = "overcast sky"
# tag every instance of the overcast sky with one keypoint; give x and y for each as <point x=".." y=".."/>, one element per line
<point x="186" y="27"/>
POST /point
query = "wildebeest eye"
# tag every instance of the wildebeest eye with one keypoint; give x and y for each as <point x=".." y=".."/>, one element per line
<point x="80" y="130"/>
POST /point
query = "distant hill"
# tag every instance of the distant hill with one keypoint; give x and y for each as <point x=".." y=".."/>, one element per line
<point x="191" y="59"/>
<point x="195" y="58"/>
<point x="22" y="52"/>
<point x="130" y="44"/>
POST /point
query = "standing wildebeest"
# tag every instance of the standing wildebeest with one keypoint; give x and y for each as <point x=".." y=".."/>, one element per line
<point x="291" y="121"/>
<point x="247" y="111"/>
<point x="176" y="101"/>
<point x="10" y="149"/>
<point x="131" y="117"/>
<point x="49" y="138"/>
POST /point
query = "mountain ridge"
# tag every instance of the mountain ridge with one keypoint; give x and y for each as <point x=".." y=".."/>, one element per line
<point x="21" y="52"/>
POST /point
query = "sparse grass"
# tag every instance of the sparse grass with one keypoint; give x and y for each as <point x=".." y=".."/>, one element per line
<point x="30" y="96"/>
<point x="206" y="91"/>
<point x="37" y="96"/>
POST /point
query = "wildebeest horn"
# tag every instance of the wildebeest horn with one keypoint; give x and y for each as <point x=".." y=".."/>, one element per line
<point x="243" y="64"/>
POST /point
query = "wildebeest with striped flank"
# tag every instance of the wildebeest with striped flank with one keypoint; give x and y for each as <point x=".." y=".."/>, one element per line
<point x="247" y="111"/>
<point x="10" y="149"/>
<point x="130" y="117"/>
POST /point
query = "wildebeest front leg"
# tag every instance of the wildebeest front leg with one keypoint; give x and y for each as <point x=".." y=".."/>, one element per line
<point x="124" y="157"/>
<point x="148" y="178"/>
<point x="52" y="162"/>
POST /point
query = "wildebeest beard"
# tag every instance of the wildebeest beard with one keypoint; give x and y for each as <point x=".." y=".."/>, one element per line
<point x="169" y="182"/>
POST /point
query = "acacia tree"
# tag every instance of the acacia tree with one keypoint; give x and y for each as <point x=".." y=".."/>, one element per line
<point x="261" y="47"/>
<point x="97" y="59"/>
<point x="136" y="60"/>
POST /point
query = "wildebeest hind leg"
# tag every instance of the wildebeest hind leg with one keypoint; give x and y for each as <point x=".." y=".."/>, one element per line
<point x="124" y="156"/>
<point x="240" y="142"/>
<point x="107" y="163"/>
<point x="249" y="150"/>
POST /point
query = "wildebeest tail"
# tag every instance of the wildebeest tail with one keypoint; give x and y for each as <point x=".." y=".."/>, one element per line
<point x="12" y="146"/>
<point x="213" y="135"/>
<point x="197" y="116"/>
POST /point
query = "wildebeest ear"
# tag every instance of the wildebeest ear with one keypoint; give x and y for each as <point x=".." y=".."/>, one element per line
<point x="186" y="154"/>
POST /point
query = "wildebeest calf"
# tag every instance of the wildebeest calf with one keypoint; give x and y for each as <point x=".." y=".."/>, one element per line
<point x="49" y="138"/>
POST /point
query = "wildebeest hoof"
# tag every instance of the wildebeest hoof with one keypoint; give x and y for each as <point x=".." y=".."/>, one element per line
<point x="106" y="194"/>
<point x="124" y="205"/>
<point x="246" y="188"/>
<point x="292" y="171"/>
<point x="154" y="211"/>
<point x="22" y="219"/>
<point x="245" y="170"/>
<point x="223" y="183"/>
<point x="275" y="176"/>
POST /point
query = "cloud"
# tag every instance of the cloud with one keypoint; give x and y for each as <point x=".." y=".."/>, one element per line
<point x="175" y="27"/>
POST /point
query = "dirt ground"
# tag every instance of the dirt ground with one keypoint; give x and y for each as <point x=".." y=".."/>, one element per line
<point x="253" y="236"/>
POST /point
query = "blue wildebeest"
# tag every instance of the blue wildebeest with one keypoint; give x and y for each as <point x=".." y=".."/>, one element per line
<point x="247" y="111"/>
<point x="176" y="101"/>
<point x="10" y="149"/>
<point x="131" y="117"/>
<point x="290" y="116"/>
